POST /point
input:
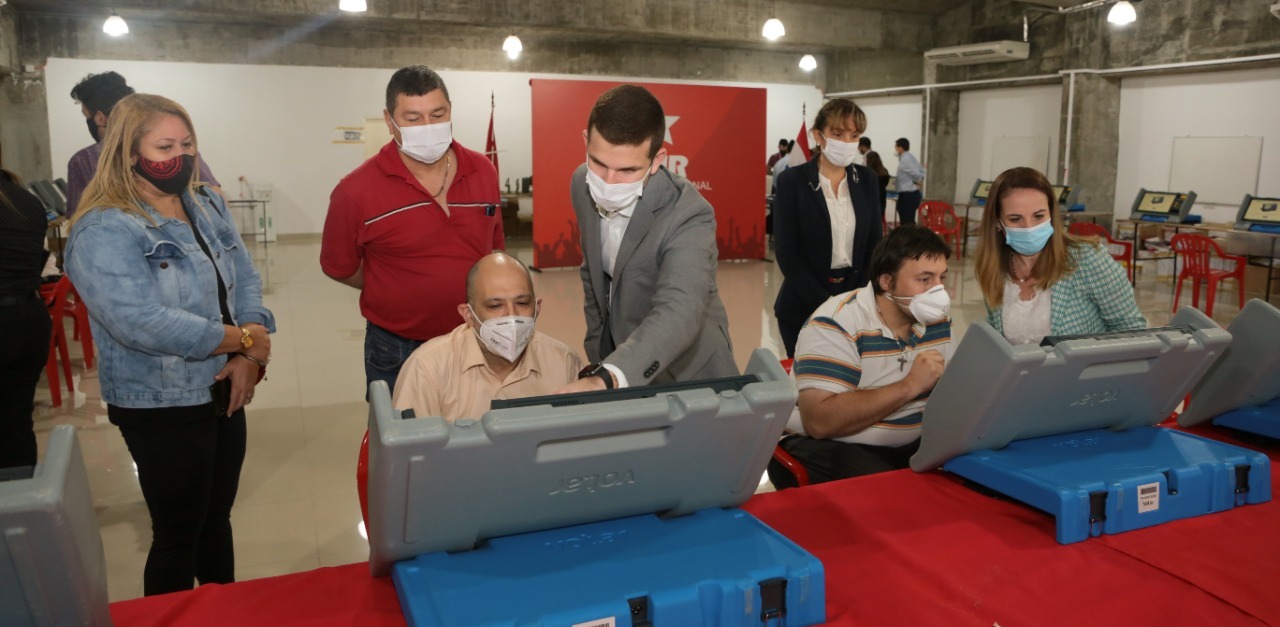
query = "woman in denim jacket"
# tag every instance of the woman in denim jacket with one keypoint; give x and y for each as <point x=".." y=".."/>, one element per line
<point x="176" y="308"/>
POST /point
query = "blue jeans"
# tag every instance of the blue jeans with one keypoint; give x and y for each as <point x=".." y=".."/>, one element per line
<point x="384" y="354"/>
<point x="908" y="202"/>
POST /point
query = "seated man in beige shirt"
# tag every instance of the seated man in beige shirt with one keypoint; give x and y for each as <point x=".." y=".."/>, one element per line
<point x="494" y="353"/>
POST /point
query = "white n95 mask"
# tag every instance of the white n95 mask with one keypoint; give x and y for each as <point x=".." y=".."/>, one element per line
<point x="838" y="153"/>
<point x="929" y="306"/>
<point x="427" y="142"/>
<point x="506" y="336"/>
<point x="614" y="198"/>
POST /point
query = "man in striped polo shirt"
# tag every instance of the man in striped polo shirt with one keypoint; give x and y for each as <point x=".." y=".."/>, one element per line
<point x="867" y="360"/>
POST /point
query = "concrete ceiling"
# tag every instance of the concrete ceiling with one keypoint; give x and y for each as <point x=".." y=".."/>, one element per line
<point x="813" y="25"/>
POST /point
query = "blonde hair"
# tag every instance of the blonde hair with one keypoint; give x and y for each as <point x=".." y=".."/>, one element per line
<point x="113" y="183"/>
<point x="994" y="257"/>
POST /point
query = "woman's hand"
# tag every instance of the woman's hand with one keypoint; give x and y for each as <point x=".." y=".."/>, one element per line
<point x="244" y="378"/>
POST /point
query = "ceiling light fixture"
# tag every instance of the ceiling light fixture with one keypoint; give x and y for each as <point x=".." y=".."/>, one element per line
<point x="512" y="47"/>
<point x="1122" y="13"/>
<point x="353" y="6"/>
<point x="773" y="29"/>
<point x="115" y="26"/>
<point x="808" y="63"/>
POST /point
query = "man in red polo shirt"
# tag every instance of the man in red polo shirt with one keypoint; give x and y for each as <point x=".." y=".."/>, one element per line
<point x="405" y="226"/>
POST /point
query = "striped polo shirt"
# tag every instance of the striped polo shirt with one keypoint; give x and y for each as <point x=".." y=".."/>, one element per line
<point x="846" y="346"/>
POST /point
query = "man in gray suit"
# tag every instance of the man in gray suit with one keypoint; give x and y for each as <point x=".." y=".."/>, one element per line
<point x="649" y="255"/>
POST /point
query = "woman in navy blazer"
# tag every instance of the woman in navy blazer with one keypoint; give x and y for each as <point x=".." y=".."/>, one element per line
<point x="823" y="245"/>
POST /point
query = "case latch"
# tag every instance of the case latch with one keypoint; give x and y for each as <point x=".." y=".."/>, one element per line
<point x="640" y="612"/>
<point x="773" y="601"/>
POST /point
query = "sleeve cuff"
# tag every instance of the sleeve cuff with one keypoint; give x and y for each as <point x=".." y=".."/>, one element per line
<point x="617" y="374"/>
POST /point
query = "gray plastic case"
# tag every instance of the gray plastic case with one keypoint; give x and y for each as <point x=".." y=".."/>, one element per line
<point x="1248" y="374"/>
<point x="437" y="486"/>
<point x="994" y="392"/>
<point x="52" y="569"/>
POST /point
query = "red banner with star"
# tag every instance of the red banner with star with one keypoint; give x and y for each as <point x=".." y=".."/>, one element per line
<point x="714" y="139"/>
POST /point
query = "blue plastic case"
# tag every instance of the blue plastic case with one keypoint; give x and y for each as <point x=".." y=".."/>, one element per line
<point x="1103" y="481"/>
<point x="718" y="567"/>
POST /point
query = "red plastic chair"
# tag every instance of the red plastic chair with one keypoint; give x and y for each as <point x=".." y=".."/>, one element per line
<point x="56" y="299"/>
<point x="79" y="314"/>
<point x="788" y="462"/>
<point x="362" y="481"/>
<point x="1089" y="229"/>
<point x="940" y="217"/>
<point x="1196" y="252"/>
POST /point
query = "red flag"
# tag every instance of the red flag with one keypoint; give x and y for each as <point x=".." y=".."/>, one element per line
<point x="802" y="148"/>
<point x="491" y="144"/>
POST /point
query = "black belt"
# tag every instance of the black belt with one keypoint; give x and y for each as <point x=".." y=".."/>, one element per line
<point x="8" y="300"/>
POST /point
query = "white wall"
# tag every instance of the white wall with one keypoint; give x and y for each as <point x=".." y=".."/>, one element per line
<point x="1154" y="110"/>
<point x="276" y="124"/>
<point x="891" y="117"/>
<point x="988" y="114"/>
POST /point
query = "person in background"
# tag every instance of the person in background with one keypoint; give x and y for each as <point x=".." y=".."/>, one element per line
<point x="864" y="147"/>
<point x="406" y="226"/>
<point x="176" y="308"/>
<point x="910" y="174"/>
<point x="1036" y="278"/>
<point x="97" y="94"/>
<point x="494" y="354"/>
<point x="882" y="177"/>
<point x="824" y="220"/>
<point x="783" y="163"/>
<point x="783" y="146"/>
<point x="23" y="315"/>
<point x="867" y="361"/>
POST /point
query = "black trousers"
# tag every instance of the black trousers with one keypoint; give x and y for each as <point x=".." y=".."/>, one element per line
<point x="24" y="349"/>
<point x="789" y="328"/>
<point x="189" y="461"/>
<point x="829" y="460"/>
<point x="908" y="202"/>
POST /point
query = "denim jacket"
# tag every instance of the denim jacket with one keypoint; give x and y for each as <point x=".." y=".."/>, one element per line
<point x="152" y="298"/>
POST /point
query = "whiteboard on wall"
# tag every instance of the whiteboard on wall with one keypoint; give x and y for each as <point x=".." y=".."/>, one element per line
<point x="1013" y="152"/>
<point x="1220" y="170"/>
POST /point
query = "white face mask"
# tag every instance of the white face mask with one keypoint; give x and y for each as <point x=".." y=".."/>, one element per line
<point x="838" y="153"/>
<point x="506" y="336"/>
<point x="614" y="198"/>
<point x="929" y="306"/>
<point x="425" y="143"/>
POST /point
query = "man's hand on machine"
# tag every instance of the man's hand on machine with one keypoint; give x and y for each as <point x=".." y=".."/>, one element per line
<point x="926" y="369"/>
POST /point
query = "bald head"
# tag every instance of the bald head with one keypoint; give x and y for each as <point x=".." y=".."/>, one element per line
<point x="499" y="285"/>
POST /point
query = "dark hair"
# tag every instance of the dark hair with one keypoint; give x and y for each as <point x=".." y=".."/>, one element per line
<point x="836" y="110"/>
<point x="415" y="80"/>
<point x="903" y="143"/>
<point x="864" y="141"/>
<point x="628" y="115"/>
<point x="909" y="241"/>
<point x="100" y="92"/>
<point x="875" y="163"/>
<point x="783" y="141"/>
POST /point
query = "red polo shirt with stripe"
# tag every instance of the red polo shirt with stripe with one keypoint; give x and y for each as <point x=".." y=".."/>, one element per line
<point x="415" y="257"/>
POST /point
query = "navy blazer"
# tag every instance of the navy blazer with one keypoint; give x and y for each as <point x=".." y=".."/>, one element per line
<point x="802" y="236"/>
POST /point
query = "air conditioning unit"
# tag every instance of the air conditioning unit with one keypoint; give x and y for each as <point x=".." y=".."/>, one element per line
<point x="989" y="52"/>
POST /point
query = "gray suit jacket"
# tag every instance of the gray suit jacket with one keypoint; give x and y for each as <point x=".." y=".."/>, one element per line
<point x="665" y="321"/>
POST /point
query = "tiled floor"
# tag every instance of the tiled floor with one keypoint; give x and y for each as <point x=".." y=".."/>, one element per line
<point x="297" y="507"/>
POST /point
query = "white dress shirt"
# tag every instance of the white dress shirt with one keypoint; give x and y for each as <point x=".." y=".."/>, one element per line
<point x="843" y="221"/>
<point x="612" y="230"/>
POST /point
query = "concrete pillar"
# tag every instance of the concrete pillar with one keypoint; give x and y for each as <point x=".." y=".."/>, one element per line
<point x="1094" y="139"/>
<point x="943" y="135"/>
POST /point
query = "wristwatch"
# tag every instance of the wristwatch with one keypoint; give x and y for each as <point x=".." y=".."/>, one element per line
<point x="246" y="340"/>
<point x="598" y="370"/>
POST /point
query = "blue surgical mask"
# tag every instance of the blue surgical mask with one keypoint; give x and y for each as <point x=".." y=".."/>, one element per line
<point x="1031" y="240"/>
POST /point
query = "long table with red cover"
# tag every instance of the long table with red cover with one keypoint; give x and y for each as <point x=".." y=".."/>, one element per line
<point x="899" y="548"/>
